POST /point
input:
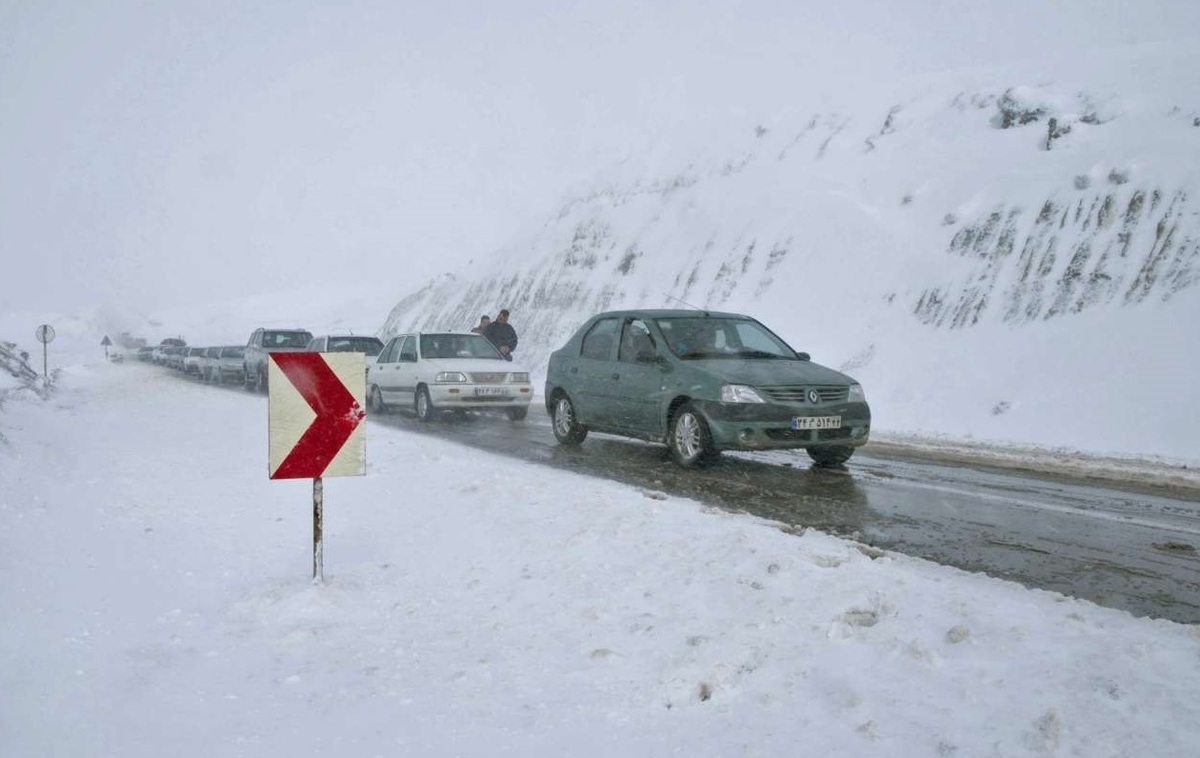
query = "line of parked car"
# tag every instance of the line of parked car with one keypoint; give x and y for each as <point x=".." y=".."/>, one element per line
<point x="700" y="382"/>
<point x="217" y="364"/>
<point x="424" y="372"/>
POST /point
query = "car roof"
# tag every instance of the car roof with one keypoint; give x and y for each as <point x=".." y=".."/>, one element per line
<point x="667" y="313"/>
<point x="346" y="336"/>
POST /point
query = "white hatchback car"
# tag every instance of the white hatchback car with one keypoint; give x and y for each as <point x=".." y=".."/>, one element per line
<point x="436" y="371"/>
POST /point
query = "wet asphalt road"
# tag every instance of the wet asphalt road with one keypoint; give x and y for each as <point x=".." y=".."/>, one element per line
<point x="1132" y="551"/>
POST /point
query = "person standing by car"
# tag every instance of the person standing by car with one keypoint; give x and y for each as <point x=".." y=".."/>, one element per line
<point x="484" y="321"/>
<point x="501" y="334"/>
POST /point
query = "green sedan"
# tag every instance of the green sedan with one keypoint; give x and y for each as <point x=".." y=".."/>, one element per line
<point x="701" y="382"/>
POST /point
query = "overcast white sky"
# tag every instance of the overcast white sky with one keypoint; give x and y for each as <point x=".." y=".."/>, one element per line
<point x="159" y="153"/>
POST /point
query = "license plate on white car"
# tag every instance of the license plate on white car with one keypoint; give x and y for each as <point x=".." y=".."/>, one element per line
<point x="817" y="422"/>
<point x="491" y="390"/>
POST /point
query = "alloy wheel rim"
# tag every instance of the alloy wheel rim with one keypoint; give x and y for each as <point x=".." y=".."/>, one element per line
<point x="562" y="416"/>
<point x="687" y="436"/>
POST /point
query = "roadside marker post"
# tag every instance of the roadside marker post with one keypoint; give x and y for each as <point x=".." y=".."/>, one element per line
<point x="45" y="335"/>
<point x="314" y="417"/>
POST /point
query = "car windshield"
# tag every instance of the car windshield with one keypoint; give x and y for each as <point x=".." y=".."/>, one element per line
<point x="703" y="337"/>
<point x="286" y="339"/>
<point x="440" y="346"/>
<point x="369" y="345"/>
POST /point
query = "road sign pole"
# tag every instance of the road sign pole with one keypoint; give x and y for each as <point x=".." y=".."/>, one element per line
<point x="318" y="543"/>
<point x="45" y="335"/>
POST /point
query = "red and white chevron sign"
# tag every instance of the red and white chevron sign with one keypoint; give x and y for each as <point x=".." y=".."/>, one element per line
<point x="315" y="412"/>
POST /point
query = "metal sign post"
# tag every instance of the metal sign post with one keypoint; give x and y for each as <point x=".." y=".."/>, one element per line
<point x="45" y="335"/>
<point x="318" y="540"/>
<point x="106" y="342"/>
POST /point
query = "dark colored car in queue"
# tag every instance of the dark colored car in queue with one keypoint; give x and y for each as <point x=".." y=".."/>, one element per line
<point x="701" y="382"/>
<point x="262" y="343"/>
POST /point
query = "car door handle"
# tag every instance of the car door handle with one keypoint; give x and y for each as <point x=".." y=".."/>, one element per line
<point x="616" y="376"/>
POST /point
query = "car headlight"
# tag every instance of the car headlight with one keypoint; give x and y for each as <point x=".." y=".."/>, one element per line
<point x="856" y="394"/>
<point x="447" y="377"/>
<point x="519" y="376"/>
<point x="740" y="393"/>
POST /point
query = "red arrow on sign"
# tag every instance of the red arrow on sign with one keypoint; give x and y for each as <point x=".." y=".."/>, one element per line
<point x="338" y="414"/>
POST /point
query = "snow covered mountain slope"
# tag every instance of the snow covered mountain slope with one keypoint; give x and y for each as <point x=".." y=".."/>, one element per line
<point x="998" y="254"/>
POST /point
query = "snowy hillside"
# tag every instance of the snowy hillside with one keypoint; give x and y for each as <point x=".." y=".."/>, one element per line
<point x="1049" y="223"/>
<point x="988" y="217"/>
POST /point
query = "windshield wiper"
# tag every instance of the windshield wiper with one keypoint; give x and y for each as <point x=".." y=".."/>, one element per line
<point x="760" y="354"/>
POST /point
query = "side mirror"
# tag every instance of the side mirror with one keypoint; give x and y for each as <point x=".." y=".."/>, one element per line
<point x="804" y="356"/>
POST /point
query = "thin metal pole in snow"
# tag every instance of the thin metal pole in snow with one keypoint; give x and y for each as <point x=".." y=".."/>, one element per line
<point x="318" y="545"/>
<point x="45" y="372"/>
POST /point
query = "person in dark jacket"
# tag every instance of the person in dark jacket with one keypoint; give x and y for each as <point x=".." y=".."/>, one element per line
<point x="501" y="334"/>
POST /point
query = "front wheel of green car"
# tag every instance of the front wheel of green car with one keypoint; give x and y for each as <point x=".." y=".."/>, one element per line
<point x="830" y="456"/>
<point x="567" y="430"/>
<point x="690" y="440"/>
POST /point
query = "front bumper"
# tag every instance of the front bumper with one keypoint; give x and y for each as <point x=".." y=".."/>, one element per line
<point x="465" y="395"/>
<point x="767" y="426"/>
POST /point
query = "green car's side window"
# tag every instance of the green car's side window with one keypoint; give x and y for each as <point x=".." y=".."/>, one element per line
<point x="637" y="346"/>
<point x="598" y="342"/>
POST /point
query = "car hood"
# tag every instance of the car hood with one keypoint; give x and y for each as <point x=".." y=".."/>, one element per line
<point x="474" y="365"/>
<point x="766" y="373"/>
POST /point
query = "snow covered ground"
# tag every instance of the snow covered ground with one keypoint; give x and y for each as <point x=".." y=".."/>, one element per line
<point x="254" y="166"/>
<point x="158" y="601"/>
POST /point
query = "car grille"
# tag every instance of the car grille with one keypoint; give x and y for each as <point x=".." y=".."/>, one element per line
<point x="799" y="394"/>
<point x="489" y="377"/>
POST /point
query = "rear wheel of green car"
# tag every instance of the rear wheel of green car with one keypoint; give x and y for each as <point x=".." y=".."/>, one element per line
<point x="567" y="429"/>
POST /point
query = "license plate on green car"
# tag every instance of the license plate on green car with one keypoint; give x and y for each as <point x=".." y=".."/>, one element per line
<point x="817" y="422"/>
